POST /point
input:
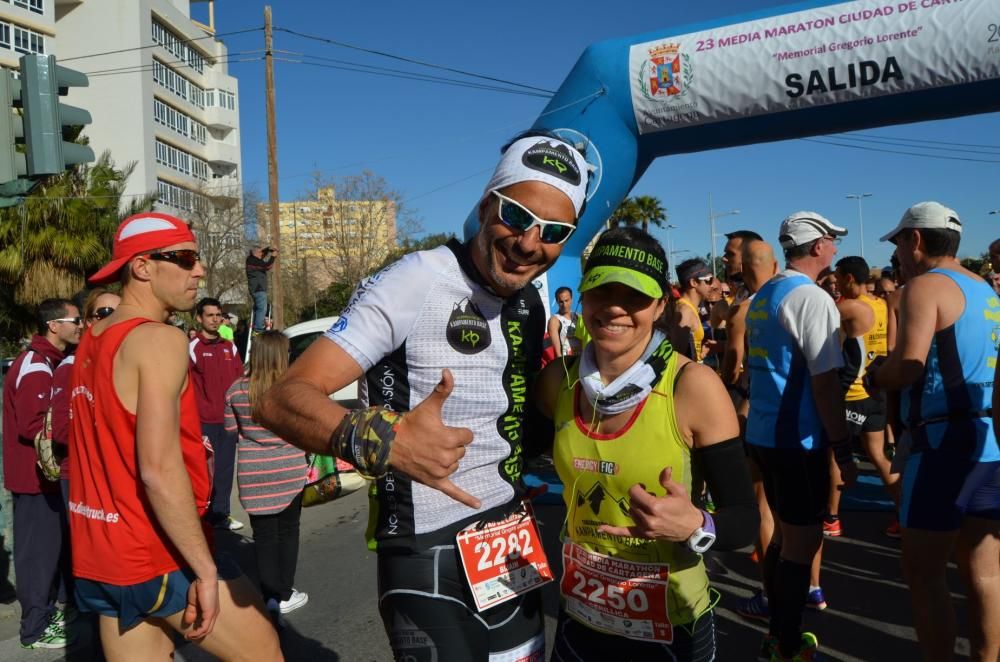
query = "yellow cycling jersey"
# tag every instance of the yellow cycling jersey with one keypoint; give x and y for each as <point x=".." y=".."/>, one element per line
<point x="698" y="332"/>
<point x="876" y="344"/>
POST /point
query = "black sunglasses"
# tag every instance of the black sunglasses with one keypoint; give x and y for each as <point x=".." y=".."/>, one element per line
<point x="102" y="312"/>
<point x="185" y="258"/>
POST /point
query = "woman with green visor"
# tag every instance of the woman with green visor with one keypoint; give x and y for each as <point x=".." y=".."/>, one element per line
<point x="632" y="417"/>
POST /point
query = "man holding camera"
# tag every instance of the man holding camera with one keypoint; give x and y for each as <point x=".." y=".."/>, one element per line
<point x="259" y="262"/>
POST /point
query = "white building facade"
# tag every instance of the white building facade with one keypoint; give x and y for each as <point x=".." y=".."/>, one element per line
<point x="160" y="95"/>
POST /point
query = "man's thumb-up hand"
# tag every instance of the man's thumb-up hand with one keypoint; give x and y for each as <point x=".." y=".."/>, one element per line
<point x="427" y="450"/>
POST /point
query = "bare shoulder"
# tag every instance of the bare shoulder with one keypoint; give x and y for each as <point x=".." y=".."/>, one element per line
<point x="850" y="308"/>
<point x="696" y="380"/>
<point x="161" y="344"/>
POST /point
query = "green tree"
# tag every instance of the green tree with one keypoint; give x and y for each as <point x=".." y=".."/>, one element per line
<point x="977" y="265"/>
<point x="627" y="213"/>
<point x="60" y="233"/>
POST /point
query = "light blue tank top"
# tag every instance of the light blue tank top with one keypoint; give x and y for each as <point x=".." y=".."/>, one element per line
<point x="782" y="410"/>
<point x="945" y="408"/>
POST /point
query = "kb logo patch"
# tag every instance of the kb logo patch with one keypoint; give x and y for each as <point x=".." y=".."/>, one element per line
<point x="468" y="331"/>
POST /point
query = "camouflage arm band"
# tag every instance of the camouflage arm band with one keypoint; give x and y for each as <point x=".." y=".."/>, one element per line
<point x="364" y="439"/>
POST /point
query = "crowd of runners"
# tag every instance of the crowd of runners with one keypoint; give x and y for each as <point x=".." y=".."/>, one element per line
<point x="681" y="420"/>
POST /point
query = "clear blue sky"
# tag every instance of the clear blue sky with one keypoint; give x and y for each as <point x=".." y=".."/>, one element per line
<point x="429" y="140"/>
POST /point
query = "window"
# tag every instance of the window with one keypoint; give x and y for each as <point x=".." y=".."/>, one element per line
<point x="5" y="35"/>
<point x="220" y="98"/>
<point x="33" y="5"/>
<point x="169" y="79"/>
<point x="178" y="197"/>
<point x="176" y="46"/>
<point x="181" y="161"/>
<point x="28" y="41"/>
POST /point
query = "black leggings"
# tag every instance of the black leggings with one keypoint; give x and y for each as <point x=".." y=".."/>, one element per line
<point x="575" y="642"/>
<point x="429" y="613"/>
<point x="276" y="543"/>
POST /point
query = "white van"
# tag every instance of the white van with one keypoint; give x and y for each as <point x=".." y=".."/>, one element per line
<point x="300" y="336"/>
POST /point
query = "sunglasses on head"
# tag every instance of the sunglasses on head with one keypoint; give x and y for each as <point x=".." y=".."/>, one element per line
<point x="185" y="258"/>
<point x="102" y="312"/>
<point x="518" y="218"/>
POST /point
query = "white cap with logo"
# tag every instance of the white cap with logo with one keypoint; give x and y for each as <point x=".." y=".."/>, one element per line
<point x="926" y="216"/>
<point x="802" y="227"/>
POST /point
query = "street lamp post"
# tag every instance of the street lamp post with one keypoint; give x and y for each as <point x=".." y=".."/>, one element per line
<point x="670" y="243"/>
<point x="711" y="223"/>
<point x="861" y="221"/>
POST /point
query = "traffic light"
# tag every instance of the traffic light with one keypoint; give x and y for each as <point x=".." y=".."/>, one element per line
<point x="42" y="82"/>
<point x="12" y="164"/>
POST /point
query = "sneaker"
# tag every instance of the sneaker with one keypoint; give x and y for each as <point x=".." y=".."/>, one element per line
<point x="767" y="648"/>
<point x="808" y="651"/>
<point x="754" y="607"/>
<point x="831" y="527"/>
<point x="62" y="617"/>
<point x="296" y="600"/>
<point x="815" y="599"/>
<point x="893" y="530"/>
<point x="53" y="637"/>
<point x="230" y="523"/>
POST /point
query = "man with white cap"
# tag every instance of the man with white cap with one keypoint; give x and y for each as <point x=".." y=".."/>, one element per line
<point x="470" y="307"/>
<point x="140" y="478"/>
<point x="796" y="414"/>
<point x="944" y="366"/>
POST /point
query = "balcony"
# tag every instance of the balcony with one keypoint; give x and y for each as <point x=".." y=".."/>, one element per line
<point x="221" y="119"/>
<point x="222" y="156"/>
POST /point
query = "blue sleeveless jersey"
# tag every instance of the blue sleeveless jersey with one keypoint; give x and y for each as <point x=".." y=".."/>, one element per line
<point x="944" y="408"/>
<point x="782" y="411"/>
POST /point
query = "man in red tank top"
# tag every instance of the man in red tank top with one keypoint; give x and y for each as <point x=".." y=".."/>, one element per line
<point x="139" y="470"/>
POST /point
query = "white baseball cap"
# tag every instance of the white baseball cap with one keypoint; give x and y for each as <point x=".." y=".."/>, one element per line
<point x="926" y="215"/>
<point x="802" y="227"/>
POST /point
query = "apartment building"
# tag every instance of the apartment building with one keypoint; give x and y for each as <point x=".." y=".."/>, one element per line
<point x="160" y="95"/>
<point x="333" y="238"/>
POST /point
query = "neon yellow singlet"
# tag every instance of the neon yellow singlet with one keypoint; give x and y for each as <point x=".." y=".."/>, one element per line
<point x="698" y="332"/>
<point x="876" y="344"/>
<point x="597" y="471"/>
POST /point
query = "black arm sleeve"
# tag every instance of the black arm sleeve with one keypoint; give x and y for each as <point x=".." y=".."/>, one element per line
<point x="854" y="361"/>
<point x="736" y="517"/>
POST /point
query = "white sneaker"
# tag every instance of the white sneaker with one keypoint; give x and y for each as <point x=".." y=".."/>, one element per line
<point x="233" y="524"/>
<point x="297" y="599"/>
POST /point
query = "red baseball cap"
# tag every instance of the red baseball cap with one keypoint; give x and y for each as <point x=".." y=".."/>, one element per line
<point x="140" y="234"/>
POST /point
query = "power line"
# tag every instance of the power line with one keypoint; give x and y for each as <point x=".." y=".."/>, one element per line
<point x="448" y="185"/>
<point x="153" y="45"/>
<point x="893" y="143"/>
<point x="891" y="151"/>
<point x="932" y="142"/>
<point x="411" y="60"/>
<point x="397" y="72"/>
<point x="138" y="68"/>
<point x="418" y="77"/>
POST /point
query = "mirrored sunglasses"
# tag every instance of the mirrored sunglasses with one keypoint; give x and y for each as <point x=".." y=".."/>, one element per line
<point x="518" y="218"/>
<point x="185" y="259"/>
<point x="708" y="279"/>
<point x="72" y="320"/>
<point x="102" y="312"/>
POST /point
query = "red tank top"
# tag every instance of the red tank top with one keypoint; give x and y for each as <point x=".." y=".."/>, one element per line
<point x="114" y="534"/>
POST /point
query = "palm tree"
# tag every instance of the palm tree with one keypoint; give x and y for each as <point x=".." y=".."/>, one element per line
<point x="627" y="213"/>
<point x="58" y="235"/>
<point x="650" y="211"/>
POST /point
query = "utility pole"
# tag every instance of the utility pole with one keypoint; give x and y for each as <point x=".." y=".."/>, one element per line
<point x="277" y="294"/>
<point x="712" y="216"/>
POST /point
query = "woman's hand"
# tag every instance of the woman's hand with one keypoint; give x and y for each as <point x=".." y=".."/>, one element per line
<point x="670" y="517"/>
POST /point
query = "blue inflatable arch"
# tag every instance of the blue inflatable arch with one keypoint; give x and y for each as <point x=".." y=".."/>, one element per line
<point x="807" y="69"/>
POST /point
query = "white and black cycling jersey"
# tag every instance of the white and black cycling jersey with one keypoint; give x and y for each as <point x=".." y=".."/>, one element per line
<point x="403" y="325"/>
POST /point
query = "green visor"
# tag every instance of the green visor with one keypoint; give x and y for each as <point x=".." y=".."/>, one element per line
<point x="602" y="275"/>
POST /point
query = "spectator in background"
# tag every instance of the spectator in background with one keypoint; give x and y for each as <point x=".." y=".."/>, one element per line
<point x="98" y="304"/>
<point x="215" y="365"/>
<point x="271" y="482"/>
<point x="38" y="507"/>
<point x="885" y="284"/>
<point x="562" y="325"/>
<point x="698" y="286"/>
<point x="259" y="262"/>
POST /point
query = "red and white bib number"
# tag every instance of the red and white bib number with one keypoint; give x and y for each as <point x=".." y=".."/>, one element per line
<point x="504" y="559"/>
<point x="613" y="595"/>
